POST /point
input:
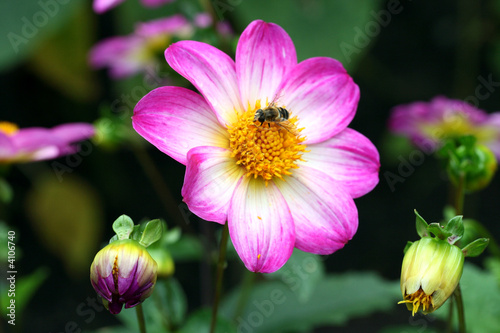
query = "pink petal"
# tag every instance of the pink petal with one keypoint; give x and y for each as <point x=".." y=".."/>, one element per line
<point x="323" y="96"/>
<point x="264" y="54"/>
<point x="117" y="53"/>
<point x="260" y="226"/>
<point x="324" y="214"/>
<point x="211" y="177"/>
<point x="212" y="72"/>
<point x="7" y="148"/>
<point x="176" y="119"/>
<point x="100" y="6"/>
<point x="349" y="158"/>
<point x="73" y="132"/>
<point x="173" y="25"/>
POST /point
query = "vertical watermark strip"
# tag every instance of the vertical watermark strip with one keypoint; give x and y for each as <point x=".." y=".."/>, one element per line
<point x="11" y="276"/>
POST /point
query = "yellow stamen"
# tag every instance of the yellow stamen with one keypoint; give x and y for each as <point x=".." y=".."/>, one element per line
<point x="115" y="272"/>
<point x="8" y="128"/>
<point x="268" y="150"/>
<point x="417" y="299"/>
<point x="456" y="125"/>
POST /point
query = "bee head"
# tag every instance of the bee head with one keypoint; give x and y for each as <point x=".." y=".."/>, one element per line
<point x="259" y="116"/>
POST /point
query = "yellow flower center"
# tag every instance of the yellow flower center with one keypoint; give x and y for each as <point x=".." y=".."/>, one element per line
<point x="153" y="47"/>
<point x="456" y="125"/>
<point x="8" y="128"/>
<point x="269" y="149"/>
<point x="417" y="299"/>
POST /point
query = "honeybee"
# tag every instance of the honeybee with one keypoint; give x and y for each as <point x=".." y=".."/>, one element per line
<point x="271" y="113"/>
<point x="275" y="114"/>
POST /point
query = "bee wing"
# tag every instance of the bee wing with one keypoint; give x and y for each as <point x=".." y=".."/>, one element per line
<point x="286" y="124"/>
<point x="276" y="98"/>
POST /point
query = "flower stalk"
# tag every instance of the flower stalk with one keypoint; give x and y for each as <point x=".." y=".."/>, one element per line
<point x="220" y="272"/>
<point x="140" y="318"/>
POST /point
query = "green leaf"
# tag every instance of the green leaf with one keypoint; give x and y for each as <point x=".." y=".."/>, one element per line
<point x="152" y="232"/>
<point x="273" y="306"/>
<point x="481" y="296"/>
<point x="67" y="217"/>
<point x="168" y="303"/>
<point x="416" y="328"/>
<point x="340" y="29"/>
<point x="421" y="225"/>
<point x="26" y="24"/>
<point x="475" y="248"/>
<point x="302" y="273"/>
<point x="5" y="191"/>
<point x="61" y="60"/>
<point x="26" y="286"/>
<point x="493" y="264"/>
<point x="200" y="322"/>
<point x="186" y="248"/>
<point x="123" y="227"/>
<point x="164" y="310"/>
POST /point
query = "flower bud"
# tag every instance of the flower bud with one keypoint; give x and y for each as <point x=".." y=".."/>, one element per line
<point x="475" y="163"/>
<point x="123" y="272"/>
<point x="431" y="271"/>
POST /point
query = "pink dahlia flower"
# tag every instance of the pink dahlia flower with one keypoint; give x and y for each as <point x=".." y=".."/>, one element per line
<point x="428" y="124"/>
<point x="278" y="184"/>
<point x="138" y="52"/>
<point x="101" y="6"/>
<point x="35" y="143"/>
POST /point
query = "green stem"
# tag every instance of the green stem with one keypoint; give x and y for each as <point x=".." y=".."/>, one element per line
<point x="460" y="307"/>
<point x="450" y="316"/>
<point x="220" y="272"/>
<point x="459" y="207"/>
<point x="460" y="196"/>
<point x="140" y="318"/>
<point x="246" y="288"/>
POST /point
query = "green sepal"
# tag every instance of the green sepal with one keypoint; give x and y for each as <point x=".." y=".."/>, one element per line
<point x="421" y="225"/>
<point x="454" y="229"/>
<point x="476" y="247"/>
<point x="152" y="232"/>
<point x="123" y="227"/>
<point x="408" y="244"/>
<point x="435" y="229"/>
<point x="113" y="239"/>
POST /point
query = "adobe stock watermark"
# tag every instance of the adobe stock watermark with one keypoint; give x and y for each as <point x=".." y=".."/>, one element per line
<point x="372" y="29"/>
<point x="31" y="25"/>
<point x="86" y="310"/>
<point x="420" y="321"/>
<point x="293" y="277"/>
<point x="122" y="107"/>
<point x="407" y="166"/>
<point x="222" y="6"/>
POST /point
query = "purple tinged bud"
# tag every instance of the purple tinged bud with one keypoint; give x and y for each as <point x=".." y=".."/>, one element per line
<point x="123" y="272"/>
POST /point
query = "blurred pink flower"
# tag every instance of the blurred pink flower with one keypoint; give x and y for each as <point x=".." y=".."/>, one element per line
<point x="278" y="185"/>
<point x="427" y="124"/>
<point x="138" y="52"/>
<point x="35" y="143"/>
<point x="101" y="6"/>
